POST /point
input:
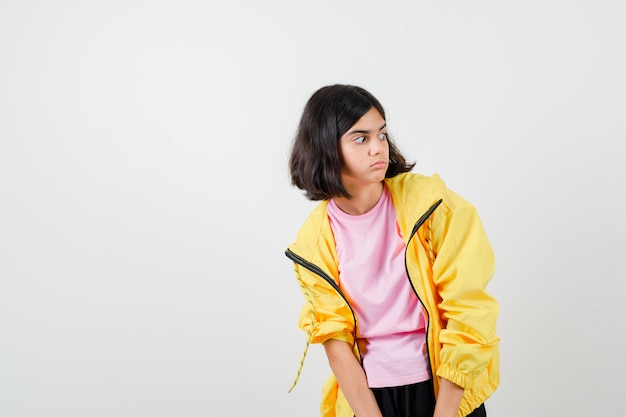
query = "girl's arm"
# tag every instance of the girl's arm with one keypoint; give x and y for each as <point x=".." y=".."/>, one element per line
<point x="351" y="378"/>
<point x="463" y="266"/>
<point x="448" y="400"/>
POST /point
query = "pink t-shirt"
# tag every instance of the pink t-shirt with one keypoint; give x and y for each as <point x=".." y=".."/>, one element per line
<point x="372" y="275"/>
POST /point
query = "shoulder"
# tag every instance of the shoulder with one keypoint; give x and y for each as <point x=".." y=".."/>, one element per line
<point x="315" y="227"/>
<point x="415" y="193"/>
<point x="409" y="184"/>
<point x="314" y="219"/>
<point x="410" y="189"/>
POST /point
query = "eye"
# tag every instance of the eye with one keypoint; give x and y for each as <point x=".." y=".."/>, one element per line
<point x="382" y="136"/>
<point x="359" y="139"/>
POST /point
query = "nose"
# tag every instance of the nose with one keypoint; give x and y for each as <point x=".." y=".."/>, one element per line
<point x="377" y="147"/>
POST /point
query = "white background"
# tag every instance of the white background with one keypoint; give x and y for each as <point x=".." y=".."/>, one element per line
<point x="145" y="202"/>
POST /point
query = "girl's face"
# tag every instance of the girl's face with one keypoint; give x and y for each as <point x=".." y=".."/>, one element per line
<point x="365" y="152"/>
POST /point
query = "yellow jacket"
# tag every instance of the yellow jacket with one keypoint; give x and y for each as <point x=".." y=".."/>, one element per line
<point x="449" y="262"/>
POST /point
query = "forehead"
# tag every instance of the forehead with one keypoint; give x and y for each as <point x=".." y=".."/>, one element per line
<point x="370" y="121"/>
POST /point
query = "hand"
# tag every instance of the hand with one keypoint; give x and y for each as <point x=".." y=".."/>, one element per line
<point x="448" y="400"/>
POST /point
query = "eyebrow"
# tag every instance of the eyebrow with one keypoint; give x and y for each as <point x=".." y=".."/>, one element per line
<point x="352" y="132"/>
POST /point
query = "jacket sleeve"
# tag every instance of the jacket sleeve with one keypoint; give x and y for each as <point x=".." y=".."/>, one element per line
<point x="325" y="314"/>
<point x="463" y="265"/>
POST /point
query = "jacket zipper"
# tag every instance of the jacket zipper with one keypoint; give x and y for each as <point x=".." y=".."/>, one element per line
<point x="318" y="271"/>
<point x="416" y="227"/>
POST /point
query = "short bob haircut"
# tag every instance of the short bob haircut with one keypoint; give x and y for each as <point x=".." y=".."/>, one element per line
<point x="315" y="160"/>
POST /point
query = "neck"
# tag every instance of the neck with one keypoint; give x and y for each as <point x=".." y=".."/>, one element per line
<point x="361" y="201"/>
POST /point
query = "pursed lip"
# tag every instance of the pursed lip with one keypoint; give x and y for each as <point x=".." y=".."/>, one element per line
<point x="379" y="164"/>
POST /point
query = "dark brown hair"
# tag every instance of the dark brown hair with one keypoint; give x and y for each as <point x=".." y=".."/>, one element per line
<point x="315" y="160"/>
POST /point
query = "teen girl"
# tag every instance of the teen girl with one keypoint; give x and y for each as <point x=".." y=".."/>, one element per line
<point x="393" y="267"/>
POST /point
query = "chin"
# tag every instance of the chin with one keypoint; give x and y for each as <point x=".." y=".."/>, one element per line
<point x="381" y="177"/>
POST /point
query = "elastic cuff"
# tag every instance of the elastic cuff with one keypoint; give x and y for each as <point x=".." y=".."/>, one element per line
<point x="459" y="378"/>
<point x="346" y="337"/>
